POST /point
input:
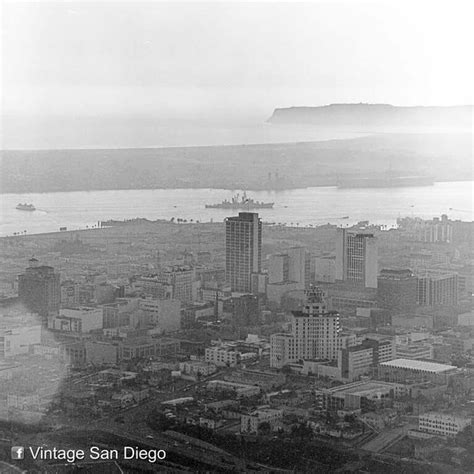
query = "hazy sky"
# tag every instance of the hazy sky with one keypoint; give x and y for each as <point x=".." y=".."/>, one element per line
<point x="182" y="60"/>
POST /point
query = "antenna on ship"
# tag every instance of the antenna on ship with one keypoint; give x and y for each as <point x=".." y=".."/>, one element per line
<point x="246" y="200"/>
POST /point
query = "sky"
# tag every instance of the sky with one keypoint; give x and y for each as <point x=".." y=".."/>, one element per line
<point x="223" y="61"/>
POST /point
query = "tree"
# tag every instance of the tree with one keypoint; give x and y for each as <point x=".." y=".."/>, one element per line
<point x="264" y="428"/>
<point x="302" y="431"/>
<point x="159" y="422"/>
<point x="350" y="418"/>
<point x="465" y="437"/>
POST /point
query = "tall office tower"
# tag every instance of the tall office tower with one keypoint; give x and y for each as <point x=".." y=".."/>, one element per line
<point x="356" y="258"/>
<point x="316" y="333"/>
<point x="243" y="247"/>
<point x="290" y="266"/>
<point x="396" y="291"/>
<point x="39" y="289"/>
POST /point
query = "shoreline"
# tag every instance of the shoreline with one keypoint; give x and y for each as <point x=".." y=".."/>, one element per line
<point x="144" y="222"/>
<point x="329" y="184"/>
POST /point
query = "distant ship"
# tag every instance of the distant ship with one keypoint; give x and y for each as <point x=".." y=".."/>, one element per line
<point x="385" y="182"/>
<point x="26" y="207"/>
<point x="243" y="203"/>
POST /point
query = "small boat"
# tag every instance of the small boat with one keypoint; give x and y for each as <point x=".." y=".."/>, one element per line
<point x="26" y="207"/>
<point x="345" y="217"/>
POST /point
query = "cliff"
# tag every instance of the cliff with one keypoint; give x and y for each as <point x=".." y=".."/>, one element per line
<point x="376" y="115"/>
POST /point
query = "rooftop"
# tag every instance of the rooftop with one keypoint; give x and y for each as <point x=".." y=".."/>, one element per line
<point x="418" y="365"/>
<point x="361" y="388"/>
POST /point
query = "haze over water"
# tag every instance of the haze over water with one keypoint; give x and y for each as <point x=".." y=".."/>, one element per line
<point x="303" y="207"/>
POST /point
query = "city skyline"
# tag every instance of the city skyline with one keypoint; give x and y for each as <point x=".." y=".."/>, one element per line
<point x="236" y="237"/>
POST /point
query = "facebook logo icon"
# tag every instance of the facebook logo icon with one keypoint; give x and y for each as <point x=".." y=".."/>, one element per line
<point x="18" y="452"/>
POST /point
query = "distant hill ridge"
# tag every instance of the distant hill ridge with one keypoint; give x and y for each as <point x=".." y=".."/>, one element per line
<point x="379" y="115"/>
<point x="443" y="156"/>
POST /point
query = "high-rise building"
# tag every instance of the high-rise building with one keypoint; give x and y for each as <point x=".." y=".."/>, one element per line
<point x="243" y="242"/>
<point x="316" y="334"/>
<point x="39" y="289"/>
<point x="356" y="258"/>
<point x="362" y="359"/>
<point x="437" y="288"/>
<point x="325" y="269"/>
<point x="355" y="361"/>
<point x="396" y="291"/>
<point x="290" y="266"/>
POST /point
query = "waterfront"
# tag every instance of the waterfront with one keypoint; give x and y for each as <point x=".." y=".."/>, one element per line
<point x="298" y="207"/>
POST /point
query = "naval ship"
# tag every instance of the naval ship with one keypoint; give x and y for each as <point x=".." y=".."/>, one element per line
<point x="243" y="203"/>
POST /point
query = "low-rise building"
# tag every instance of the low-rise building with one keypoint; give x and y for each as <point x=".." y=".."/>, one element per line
<point x="276" y="291"/>
<point x="222" y="356"/>
<point x="164" y="314"/>
<point x="117" y="314"/>
<point x="100" y="352"/>
<point x="266" y="380"/>
<point x="197" y="368"/>
<point x="380" y="419"/>
<point x="238" y="389"/>
<point x="69" y="294"/>
<point x="365" y="395"/>
<point x="143" y="347"/>
<point x="442" y="424"/>
<point x="18" y="340"/>
<point x="403" y="370"/>
<point x="8" y="371"/>
<point x="251" y="422"/>
<point x="414" y="351"/>
<point x="82" y="320"/>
